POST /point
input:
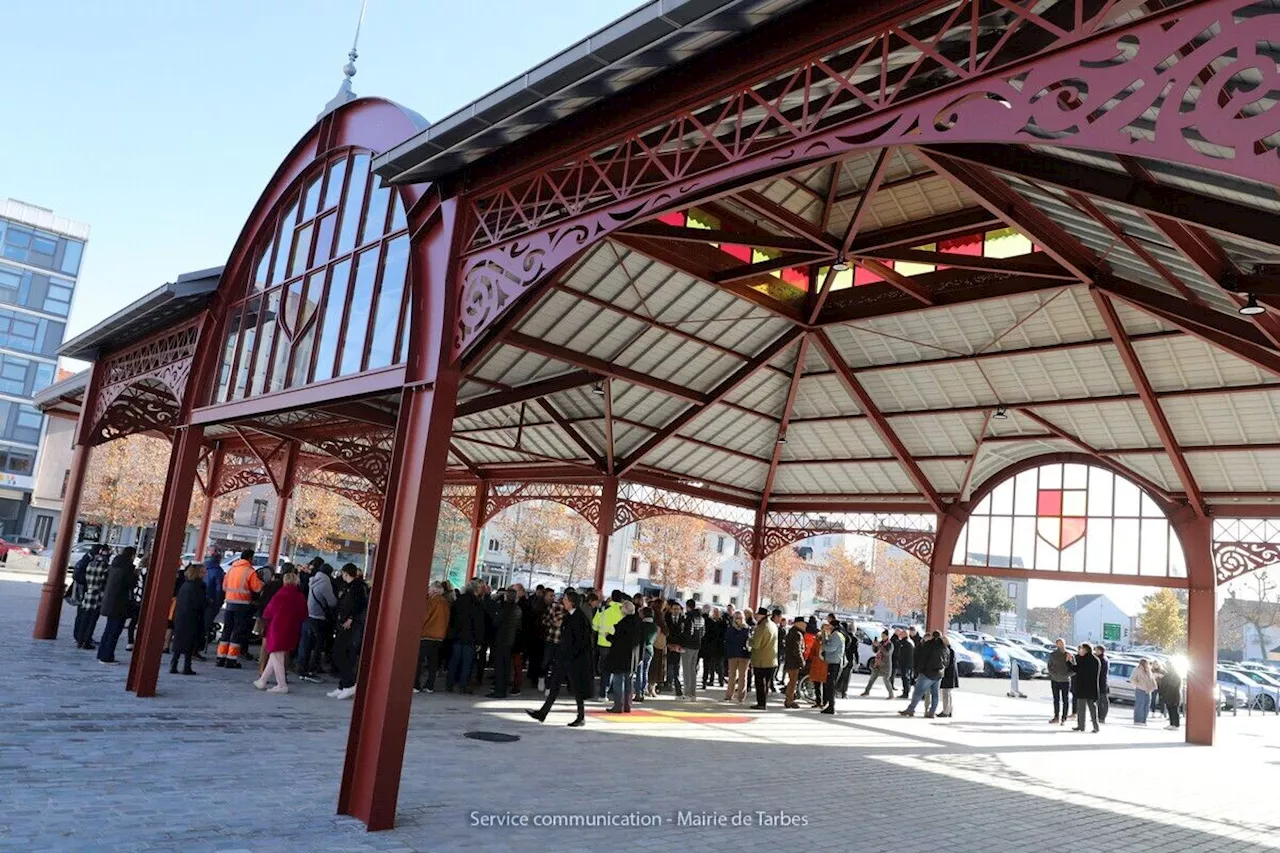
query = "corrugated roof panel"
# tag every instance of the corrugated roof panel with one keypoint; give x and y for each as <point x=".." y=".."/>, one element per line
<point x="699" y="463"/>
<point x="1092" y="371"/>
<point x="939" y="435"/>
<point x="1123" y="423"/>
<point x="846" y="439"/>
<point x="944" y="386"/>
<point x="1245" y="418"/>
<point x="765" y="392"/>
<point x="732" y="429"/>
<point x="823" y="396"/>
<point x="945" y="476"/>
<point x="514" y="366"/>
<point x="997" y="457"/>
<point x="647" y="407"/>
<point x="1174" y="364"/>
<point x="851" y="478"/>
<point x="1258" y="471"/>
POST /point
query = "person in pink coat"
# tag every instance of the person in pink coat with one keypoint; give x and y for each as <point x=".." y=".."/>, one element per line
<point x="283" y="616"/>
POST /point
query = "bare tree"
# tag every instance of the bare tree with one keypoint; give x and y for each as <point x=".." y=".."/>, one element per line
<point x="125" y="482"/>
<point x="533" y="534"/>
<point x="851" y="582"/>
<point x="777" y="575"/>
<point x="580" y="559"/>
<point x="453" y="535"/>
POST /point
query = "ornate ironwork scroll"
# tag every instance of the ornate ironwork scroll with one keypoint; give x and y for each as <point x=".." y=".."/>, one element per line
<point x="584" y="499"/>
<point x="637" y="502"/>
<point x="353" y="487"/>
<point x="367" y="452"/>
<point x="1244" y="545"/>
<point x="143" y="386"/>
<point x="1190" y="85"/>
<point x="461" y="498"/>
<point x="912" y="532"/>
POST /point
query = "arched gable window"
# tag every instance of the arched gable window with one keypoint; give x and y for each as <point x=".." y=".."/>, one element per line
<point x="1066" y="517"/>
<point x="327" y="295"/>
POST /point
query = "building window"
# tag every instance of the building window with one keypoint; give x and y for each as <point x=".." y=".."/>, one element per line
<point x="635" y="565"/>
<point x="66" y="475"/>
<point x="718" y="574"/>
<point x="44" y="528"/>
<point x="1013" y="590"/>
<point x="737" y="547"/>
<point x="719" y="544"/>
<point x="227" y="515"/>
<point x="715" y="599"/>
<point x="697" y="596"/>
<point x="258" y="517"/>
<point x="818" y="586"/>
<point x="735" y="579"/>
<point x="733" y="599"/>
<point x="493" y="544"/>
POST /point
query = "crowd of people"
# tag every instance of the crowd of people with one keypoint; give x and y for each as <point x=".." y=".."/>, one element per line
<point x="1080" y="684"/>
<point x="623" y="649"/>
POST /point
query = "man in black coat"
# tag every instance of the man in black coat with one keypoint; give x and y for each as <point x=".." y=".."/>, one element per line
<point x="713" y="649"/>
<point x="1088" y="681"/>
<point x="1104" y="690"/>
<point x="506" y="630"/>
<point x="931" y="663"/>
<point x="621" y="657"/>
<point x="466" y="630"/>
<point x="573" y="660"/>
<point x="904" y="661"/>
<point x="117" y="594"/>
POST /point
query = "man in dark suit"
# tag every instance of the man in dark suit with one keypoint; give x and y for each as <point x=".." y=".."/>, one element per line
<point x="573" y="661"/>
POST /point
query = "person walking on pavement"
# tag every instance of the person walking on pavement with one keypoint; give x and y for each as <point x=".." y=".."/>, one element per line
<point x="764" y="655"/>
<point x="736" y="636"/>
<point x="240" y="585"/>
<point x="116" y="595"/>
<point x="435" y="624"/>
<point x="213" y="594"/>
<point x="691" y="635"/>
<point x="1060" y="661"/>
<point x="832" y="653"/>
<point x="573" y="660"/>
<point x="882" y="665"/>
<point x="1144" y="687"/>
<point x="93" y="583"/>
<point x="950" y="682"/>
<point x="1104" y="689"/>
<point x="284" y="617"/>
<point x="352" y="608"/>
<point x="1088" y="681"/>
<point x="904" y="661"/>
<point x="466" y="630"/>
<point x="793" y="659"/>
<point x="932" y="659"/>
<point x="188" y="619"/>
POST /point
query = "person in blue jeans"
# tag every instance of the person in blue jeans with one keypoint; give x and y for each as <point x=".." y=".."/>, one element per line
<point x="466" y="629"/>
<point x="931" y="662"/>
<point x="1144" y="687"/>
<point x="648" y="633"/>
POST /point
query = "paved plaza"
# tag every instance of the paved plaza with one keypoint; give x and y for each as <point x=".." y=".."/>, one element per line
<point x="212" y="765"/>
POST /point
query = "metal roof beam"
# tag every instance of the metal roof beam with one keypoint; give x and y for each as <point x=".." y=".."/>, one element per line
<point x="780" y="443"/>
<point x="998" y="197"/>
<point x="602" y="367"/>
<point x="944" y="288"/>
<point x="529" y="391"/>
<point x="1037" y="264"/>
<point x="1059" y="432"/>
<point x="881" y="424"/>
<point x="1149" y="401"/>
<point x="655" y="230"/>
<point x="721" y="391"/>
<point x="1176" y="203"/>
<point x="971" y="220"/>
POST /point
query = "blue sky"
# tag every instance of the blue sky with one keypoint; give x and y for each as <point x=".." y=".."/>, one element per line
<point x="159" y="123"/>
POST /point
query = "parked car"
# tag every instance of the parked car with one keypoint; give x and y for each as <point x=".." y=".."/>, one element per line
<point x="1028" y="665"/>
<point x="1246" y="691"/>
<point x="19" y="544"/>
<point x="995" y="659"/>
<point x="865" y="633"/>
<point x="1120" y="680"/>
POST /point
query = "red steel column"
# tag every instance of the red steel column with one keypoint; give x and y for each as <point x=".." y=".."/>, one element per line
<point x="50" y="609"/>
<point x="944" y="546"/>
<point x="171" y="529"/>
<point x="477" y="527"/>
<point x="1196" y="535"/>
<point x="604" y="528"/>
<point x="282" y="506"/>
<point x="380" y="721"/>
<point x="757" y="559"/>
<point x="213" y="475"/>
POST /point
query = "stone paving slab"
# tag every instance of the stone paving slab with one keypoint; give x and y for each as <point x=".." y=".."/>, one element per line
<point x="212" y="766"/>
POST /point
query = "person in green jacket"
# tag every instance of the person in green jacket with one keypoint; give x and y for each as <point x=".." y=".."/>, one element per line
<point x="764" y="655"/>
<point x="603" y="623"/>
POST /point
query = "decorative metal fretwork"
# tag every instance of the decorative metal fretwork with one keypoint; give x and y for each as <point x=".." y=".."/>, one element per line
<point x="1244" y="545"/>
<point x="1186" y="85"/>
<point x="584" y="499"/>
<point x="461" y="498"/>
<point x="143" y="387"/>
<point x="240" y="470"/>
<point x="637" y="502"/>
<point x="366" y="452"/>
<point x="353" y="487"/>
<point x="912" y="532"/>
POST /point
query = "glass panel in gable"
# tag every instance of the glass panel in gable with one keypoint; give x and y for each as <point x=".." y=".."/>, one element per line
<point x="331" y="321"/>
<point x="301" y="249"/>
<point x="324" y="239"/>
<point x="353" y="204"/>
<point x="267" y="332"/>
<point x="357" y="322"/>
<point x="284" y="248"/>
<point x="311" y="198"/>
<point x="1101" y="492"/>
<point x="398" y="222"/>
<point x="375" y="217"/>
<point x="333" y="186"/>
<point x="386" y="320"/>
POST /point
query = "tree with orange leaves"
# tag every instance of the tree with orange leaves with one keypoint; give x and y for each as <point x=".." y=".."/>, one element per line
<point x="777" y="575"/>
<point x="675" y="549"/>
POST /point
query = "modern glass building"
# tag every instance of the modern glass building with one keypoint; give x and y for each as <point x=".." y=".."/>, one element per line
<point x="40" y="256"/>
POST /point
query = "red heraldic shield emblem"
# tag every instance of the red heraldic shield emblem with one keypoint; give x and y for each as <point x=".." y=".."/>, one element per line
<point x="1060" y="516"/>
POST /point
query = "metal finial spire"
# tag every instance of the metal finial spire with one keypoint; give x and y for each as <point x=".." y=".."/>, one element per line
<point x="345" y="93"/>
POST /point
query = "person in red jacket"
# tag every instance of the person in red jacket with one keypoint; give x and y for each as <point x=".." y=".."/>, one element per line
<point x="283" y="616"/>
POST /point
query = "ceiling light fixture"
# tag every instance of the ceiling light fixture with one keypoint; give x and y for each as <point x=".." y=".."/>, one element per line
<point x="782" y="438"/>
<point x="841" y="264"/>
<point x="1251" y="307"/>
<point x="598" y="389"/>
<point x="1000" y="414"/>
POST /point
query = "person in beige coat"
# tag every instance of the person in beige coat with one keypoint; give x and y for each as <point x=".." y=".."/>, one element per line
<point x="764" y="655"/>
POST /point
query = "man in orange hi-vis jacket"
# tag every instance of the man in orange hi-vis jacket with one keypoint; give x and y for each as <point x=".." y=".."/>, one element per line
<point x="240" y="585"/>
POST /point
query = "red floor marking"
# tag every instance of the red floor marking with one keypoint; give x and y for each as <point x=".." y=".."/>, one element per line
<point x="645" y="715"/>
